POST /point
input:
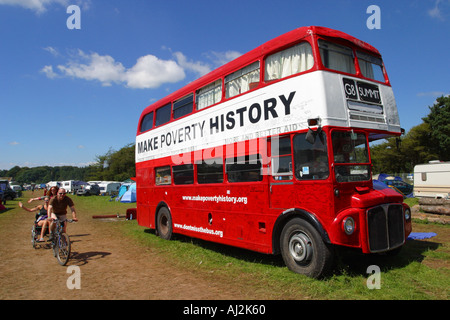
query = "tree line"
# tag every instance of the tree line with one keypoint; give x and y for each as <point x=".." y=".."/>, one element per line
<point x="112" y="166"/>
<point x="427" y="141"/>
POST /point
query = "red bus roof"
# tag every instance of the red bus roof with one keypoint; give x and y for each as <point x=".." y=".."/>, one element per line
<point x="284" y="40"/>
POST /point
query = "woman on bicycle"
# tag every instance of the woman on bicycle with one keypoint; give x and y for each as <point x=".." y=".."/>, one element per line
<point x="42" y="216"/>
<point x="50" y="194"/>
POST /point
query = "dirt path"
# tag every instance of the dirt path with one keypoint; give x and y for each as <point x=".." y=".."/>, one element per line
<point x="110" y="267"/>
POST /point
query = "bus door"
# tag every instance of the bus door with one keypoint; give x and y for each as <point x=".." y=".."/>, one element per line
<point x="281" y="188"/>
<point x="299" y="170"/>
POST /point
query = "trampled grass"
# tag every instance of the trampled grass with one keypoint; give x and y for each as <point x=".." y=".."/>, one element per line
<point x="419" y="272"/>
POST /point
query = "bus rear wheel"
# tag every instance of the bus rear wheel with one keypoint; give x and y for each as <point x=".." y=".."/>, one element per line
<point x="164" y="223"/>
<point x="303" y="249"/>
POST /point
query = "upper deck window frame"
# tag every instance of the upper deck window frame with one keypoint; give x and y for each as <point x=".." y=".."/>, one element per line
<point x="208" y="95"/>
<point x="243" y="80"/>
<point x="183" y="106"/>
<point x="337" y="57"/>
<point x="147" y="122"/>
<point x="163" y="115"/>
<point x="289" y="61"/>
<point x="371" y="66"/>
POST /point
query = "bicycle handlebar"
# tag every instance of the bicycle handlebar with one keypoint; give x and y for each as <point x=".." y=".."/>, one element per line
<point x="67" y="220"/>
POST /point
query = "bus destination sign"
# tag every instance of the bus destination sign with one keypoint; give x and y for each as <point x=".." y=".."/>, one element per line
<point x="367" y="92"/>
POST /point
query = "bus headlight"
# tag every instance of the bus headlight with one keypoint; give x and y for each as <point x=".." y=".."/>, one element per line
<point x="407" y="213"/>
<point x="349" y="225"/>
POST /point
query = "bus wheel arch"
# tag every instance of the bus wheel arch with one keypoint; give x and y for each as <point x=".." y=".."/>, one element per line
<point x="303" y="243"/>
<point x="290" y="214"/>
<point x="163" y="222"/>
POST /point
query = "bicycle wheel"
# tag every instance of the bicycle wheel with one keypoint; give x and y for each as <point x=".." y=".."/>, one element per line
<point x="63" y="249"/>
<point x="33" y="236"/>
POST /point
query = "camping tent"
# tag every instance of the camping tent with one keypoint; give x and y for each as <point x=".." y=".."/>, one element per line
<point x="122" y="190"/>
<point x="130" y="195"/>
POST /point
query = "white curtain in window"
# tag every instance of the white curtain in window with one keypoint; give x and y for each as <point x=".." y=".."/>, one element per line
<point x="242" y="83"/>
<point x="340" y="62"/>
<point x="296" y="59"/>
<point x="209" y="95"/>
<point x="366" y="68"/>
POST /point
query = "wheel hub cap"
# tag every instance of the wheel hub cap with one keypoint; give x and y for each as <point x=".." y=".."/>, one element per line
<point x="300" y="247"/>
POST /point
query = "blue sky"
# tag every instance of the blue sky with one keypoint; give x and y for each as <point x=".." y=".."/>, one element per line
<point x="69" y="95"/>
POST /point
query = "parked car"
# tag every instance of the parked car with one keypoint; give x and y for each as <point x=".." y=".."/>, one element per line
<point x="400" y="185"/>
<point x="88" y="190"/>
<point x="6" y="193"/>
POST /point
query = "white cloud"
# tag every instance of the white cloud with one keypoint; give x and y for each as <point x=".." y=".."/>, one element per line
<point x="437" y="12"/>
<point x="101" y="68"/>
<point x="434" y="94"/>
<point x="151" y="72"/>
<point x="148" y="72"/>
<point x="197" y="67"/>
<point x="48" y="70"/>
<point x="220" y="58"/>
<point x="40" y="6"/>
<point x="13" y="143"/>
<point x="53" y="51"/>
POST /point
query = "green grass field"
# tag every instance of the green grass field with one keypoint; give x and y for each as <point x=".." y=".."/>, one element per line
<point x="419" y="272"/>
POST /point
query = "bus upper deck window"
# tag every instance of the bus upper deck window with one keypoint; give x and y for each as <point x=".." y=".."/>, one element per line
<point x="290" y="61"/>
<point x="183" y="106"/>
<point x="242" y="80"/>
<point x="209" y="95"/>
<point x="163" y="114"/>
<point x="337" y="57"/>
<point x="371" y="66"/>
<point x="147" y="122"/>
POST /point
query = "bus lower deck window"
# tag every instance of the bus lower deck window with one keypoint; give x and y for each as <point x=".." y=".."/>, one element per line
<point x="210" y="171"/>
<point x="183" y="174"/>
<point x="162" y="176"/>
<point x="244" y="169"/>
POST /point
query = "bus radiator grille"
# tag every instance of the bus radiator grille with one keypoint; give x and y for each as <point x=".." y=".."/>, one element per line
<point x="385" y="227"/>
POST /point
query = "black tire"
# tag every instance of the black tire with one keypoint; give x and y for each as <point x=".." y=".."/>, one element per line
<point x="164" y="223"/>
<point x="62" y="249"/>
<point x="303" y="249"/>
<point x="33" y="236"/>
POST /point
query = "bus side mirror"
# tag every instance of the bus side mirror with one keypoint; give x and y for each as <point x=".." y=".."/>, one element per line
<point x="310" y="136"/>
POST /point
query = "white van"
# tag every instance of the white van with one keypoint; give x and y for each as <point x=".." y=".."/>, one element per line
<point x="16" y="188"/>
<point x="432" y="180"/>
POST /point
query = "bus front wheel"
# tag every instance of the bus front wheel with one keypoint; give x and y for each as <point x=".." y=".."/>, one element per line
<point x="303" y="249"/>
<point x="164" y="223"/>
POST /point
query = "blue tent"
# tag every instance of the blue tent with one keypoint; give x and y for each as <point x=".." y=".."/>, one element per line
<point x="130" y="195"/>
<point x="122" y="190"/>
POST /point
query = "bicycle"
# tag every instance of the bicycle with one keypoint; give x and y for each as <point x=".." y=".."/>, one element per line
<point x="61" y="243"/>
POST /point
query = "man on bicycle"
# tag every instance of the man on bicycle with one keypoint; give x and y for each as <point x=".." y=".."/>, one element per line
<point x="57" y="209"/>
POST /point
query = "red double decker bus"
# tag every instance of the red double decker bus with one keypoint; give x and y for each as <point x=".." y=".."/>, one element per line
<point x="270" y="152"/>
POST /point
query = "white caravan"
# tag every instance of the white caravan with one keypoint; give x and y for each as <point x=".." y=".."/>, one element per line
<point x="109" y="187"/>
<point x="432" y="180"/>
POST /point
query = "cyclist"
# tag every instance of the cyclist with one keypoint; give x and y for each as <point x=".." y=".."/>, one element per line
<point x="57" y="209"/>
